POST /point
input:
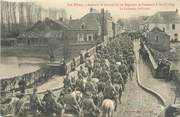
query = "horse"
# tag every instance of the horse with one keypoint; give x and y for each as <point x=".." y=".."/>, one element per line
<point x="108" y="107"/>
<point x="78" y="95"/>
<point x="101" y="86"/>
<point x="81" y="84"/>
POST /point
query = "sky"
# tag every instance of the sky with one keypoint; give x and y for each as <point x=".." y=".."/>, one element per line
<point x="117" y="8"/>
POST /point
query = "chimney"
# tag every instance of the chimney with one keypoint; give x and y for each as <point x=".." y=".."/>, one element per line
<point x="91" y="10"/>
<point x="70" y="17"/>
<point x="176" y="10"/>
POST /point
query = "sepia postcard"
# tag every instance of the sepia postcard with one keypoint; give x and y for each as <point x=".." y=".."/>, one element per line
<point x="90" y="58"/>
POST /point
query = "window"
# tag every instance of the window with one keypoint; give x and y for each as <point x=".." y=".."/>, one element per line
<point x="175" y="36"/>
<point x="173" y="26"/>
<point x="82" y="26"/>
<point x="157" y="39"/>
<point x="163" y="29"/>
<point x="80" y="37"/>
<point x="89" y="37"/>
<point x="167" y="26"/>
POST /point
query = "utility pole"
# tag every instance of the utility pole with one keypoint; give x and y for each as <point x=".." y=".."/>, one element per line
<point x="102" y="25"/>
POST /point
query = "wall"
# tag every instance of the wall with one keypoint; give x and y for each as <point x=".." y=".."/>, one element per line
<point x="168" y="29"/>
<point x="31" y="78"/>
<point x="74" y="34"/>
<point x="163" y="42"/>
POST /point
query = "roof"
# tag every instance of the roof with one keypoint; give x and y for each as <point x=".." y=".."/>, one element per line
<point x="164" y="17"/>
<point x="45" y="29"/>
<point x="42" y="34"/>
<point x="156" y="29"/>
<point x="91" y="21"/>
<point x="8" y="39"/>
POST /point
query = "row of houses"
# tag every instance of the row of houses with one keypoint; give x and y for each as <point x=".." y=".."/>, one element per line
<point x="89" y="28"/>
<point x="167" y="21"/>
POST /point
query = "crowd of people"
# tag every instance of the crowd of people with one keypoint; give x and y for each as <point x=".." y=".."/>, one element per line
<point x="102" y="78"/>
<point x="163" y="69"/>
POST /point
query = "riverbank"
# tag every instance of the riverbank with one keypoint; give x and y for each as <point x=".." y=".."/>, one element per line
<point x="42" y="51"/>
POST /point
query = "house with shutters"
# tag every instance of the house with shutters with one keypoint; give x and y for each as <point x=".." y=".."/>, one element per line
<point x="167" y="21"/>
<point x="158" y="39"/>
<point x="89" y="27"/>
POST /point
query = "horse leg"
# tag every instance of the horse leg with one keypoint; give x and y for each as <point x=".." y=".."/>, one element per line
<point x="104" y="114"/>
<point x="120" y="94"/>
<point x="109" y="114"/>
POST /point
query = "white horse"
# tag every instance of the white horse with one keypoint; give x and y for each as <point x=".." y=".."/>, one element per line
<point x="108" y="107"/>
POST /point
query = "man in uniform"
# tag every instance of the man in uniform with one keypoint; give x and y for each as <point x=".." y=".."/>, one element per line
<point x="50" y="102"/>
<point x="90" y="86"/>
<point x="71" y="102"/>
<point x="123" y="71"/>
<point x="35" y="102"/>
<point x="105" y="76"/>
<point x="81" y="73"/>
<point x="67" y="81"/>
<point x="88" y="106"/>
<point x="22" y="85"/>
<point x="90" y="67"/>
<point x="110" y="93"/>
<point x="117" y="78"/>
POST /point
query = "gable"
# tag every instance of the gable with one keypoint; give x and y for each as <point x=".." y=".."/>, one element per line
<point x="91" y="21"/>
<point x="164" y="17"/>
<point x="46" y="25"/>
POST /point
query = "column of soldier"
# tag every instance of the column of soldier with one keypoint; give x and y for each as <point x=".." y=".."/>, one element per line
<point x="101" y="79"/>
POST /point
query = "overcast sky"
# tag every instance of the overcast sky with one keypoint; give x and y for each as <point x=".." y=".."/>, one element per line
<point x="79" y="11"/>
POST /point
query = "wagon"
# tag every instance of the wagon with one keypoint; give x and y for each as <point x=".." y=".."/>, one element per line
<point x="170" y="111"/>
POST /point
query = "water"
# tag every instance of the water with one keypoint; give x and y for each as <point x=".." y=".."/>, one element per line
<point x="16" y="66"/>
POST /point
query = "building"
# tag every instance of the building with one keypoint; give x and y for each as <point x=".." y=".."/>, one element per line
<point x="168" y="21"/>
<point x="158" y="39"/>
<point x="8" y="42"/>
<point x="43" y="31"/>
<point x="89" y="27"/>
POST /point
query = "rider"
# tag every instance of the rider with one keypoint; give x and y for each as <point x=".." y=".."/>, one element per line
<point x="89" y="66"/>
<point x="81" y="73"/>
<point x="50" y="102"/>
<point x="90" y="87"/>
<point x="35" y="102"/>
<point x="67" y="81"/>
<point x="110" y="92"/>
<point x="71" y="102"/>
<point x="105" y="75"/>
<point x="88" y="106"/>
<point x="117" y="78"/>
<point x="22" y="85"/>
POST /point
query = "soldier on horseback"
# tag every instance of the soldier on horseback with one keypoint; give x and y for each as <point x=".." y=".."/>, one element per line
<point x="35" y="103"/>
<point x="71" y="103"/>
<point x="117" y="78"/>
<point x="89" y="66"/>
<point x="81" y="73"/>
<point x="110" y="93"/>
<point x="90" y="86"/>
<point x="50" y="103"/>
<point x="88" y="106"/>
<point x="67" y="81"/>
<point x="22" y="85"/>
<point x="123" y="71"/>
